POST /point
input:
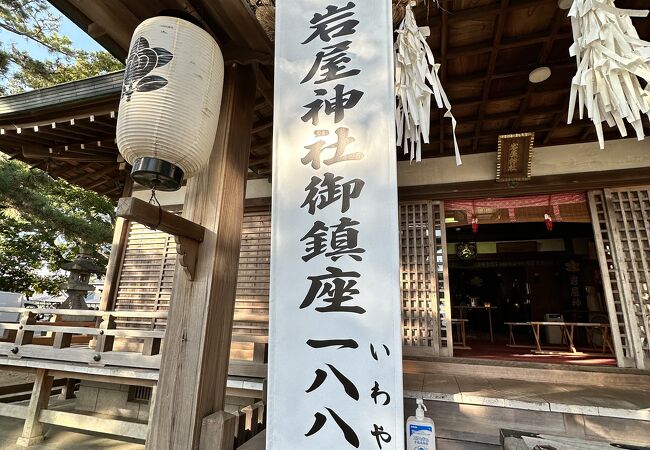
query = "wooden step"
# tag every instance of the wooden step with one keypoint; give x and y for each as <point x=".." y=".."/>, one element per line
<point x="515" y="370"/>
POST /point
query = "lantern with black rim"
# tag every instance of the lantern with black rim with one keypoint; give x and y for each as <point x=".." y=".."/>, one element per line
<point x="170" y="101"/>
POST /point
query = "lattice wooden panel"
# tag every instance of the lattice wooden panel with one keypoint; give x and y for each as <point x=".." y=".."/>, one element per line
<point x="629" y="209"/>
<point x="253" y="276"/>
<point x="621" y="220"/>
<point x="611" y="280"/>
<point x="425" y="311"/>
<point x="147" y="274"/>
<point x="442" y="278"/>
<point x="417" y="281"/>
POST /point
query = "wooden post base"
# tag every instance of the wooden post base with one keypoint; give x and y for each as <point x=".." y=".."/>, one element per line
<point x="33" y="429"/>
<point x="28" y="442"/>
<point x="218" y="431"/>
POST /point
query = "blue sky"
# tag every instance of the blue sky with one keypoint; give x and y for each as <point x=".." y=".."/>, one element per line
<point x="78" y="37"/>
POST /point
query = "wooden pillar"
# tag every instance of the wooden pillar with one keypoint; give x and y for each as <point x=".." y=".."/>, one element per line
<point x="67" y="390"/>
<point x="194" y="363"/>
<point x="120" y="236"/>
<point x="33" y="429"/>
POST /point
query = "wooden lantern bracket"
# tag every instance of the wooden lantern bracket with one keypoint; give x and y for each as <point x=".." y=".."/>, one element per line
<point x="187" y="234"/>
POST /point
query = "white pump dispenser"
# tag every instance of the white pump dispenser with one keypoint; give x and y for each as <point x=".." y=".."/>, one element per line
<point x="420" y="431"/>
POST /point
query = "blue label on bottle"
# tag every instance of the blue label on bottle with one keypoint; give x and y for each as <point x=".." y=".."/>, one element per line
<point x="415" y="428"/>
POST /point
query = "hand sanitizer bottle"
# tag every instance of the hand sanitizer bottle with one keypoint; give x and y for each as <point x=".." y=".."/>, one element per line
<point x="420" y="431"/>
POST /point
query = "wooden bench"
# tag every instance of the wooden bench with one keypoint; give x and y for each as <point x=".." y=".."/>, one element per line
<point x="460" y="327"/>
<point x="568" y="329"/>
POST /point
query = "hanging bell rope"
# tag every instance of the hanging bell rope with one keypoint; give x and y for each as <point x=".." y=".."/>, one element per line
<point x="414" y="68"/>
<point x="610" y="56"/>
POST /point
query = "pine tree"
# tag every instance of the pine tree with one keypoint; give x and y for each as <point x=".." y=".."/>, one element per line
<point x="43" y="223"/>
<point x="39" y="22"/>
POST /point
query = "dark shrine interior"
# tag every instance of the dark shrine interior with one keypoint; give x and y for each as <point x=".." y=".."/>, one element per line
<point x="521" y="273"/>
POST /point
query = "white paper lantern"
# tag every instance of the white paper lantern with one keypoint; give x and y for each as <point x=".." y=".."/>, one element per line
<point x="170" y="102"/>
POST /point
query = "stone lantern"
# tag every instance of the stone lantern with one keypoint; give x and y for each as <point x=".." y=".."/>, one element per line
<point x="78" y="284"/>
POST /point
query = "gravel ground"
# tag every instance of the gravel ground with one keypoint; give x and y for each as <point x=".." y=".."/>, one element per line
<point x="8" y="377"/>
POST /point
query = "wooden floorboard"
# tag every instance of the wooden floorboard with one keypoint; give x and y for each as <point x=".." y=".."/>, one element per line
<point x="609" y="401"/>
<point x="561" y="374"/>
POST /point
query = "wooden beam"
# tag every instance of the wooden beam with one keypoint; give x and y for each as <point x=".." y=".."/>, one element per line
<point x="236" y="19"/>
<point x="498" y="33"/>
<point x="514" y="42"/>
<point x="481" y="12"/>
<point x="519" y="71"/>
<point x="107" y="170"/>
<point x="40" y="152"/>
<point x="188" y="235"/>
<point x="73" y="13"/>
<point x="134" y="209"/>
<point x="265" y="85"/>
<point x="444" y="38"/>
<point x="132" y="430"/>
<point x="556" y="121"/>
<point x="16" y="411"/>
<point x="537" y="185"/>
<point x="559" y="19"/>
<point x="238" y="54"/>
<point x="478" y="101"/>
<point x="194" y="365"/>
<point x="113" y="16"/>
<point x="262" y="125"/>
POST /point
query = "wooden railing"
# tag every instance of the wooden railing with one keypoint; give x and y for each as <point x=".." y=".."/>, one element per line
<point x="99" y="334"/>
<point x="20" y="392"/>
<point x="93" y="347"/>
<point x="91" y="340"/>
<point x="251" y="420"/>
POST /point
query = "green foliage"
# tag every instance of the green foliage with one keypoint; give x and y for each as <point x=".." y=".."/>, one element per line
<point x="43" y="223"/>
<point x="38" y="22"/>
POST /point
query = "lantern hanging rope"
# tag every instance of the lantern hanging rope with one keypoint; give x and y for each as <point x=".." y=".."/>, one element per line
<point x="610" y="56"/>
<point x="414" y="68"/>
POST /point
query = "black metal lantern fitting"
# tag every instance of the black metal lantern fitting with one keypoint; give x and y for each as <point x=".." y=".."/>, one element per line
<point x="157" y="174"/>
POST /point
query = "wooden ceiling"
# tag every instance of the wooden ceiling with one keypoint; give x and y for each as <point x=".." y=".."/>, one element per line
<point x="80" y="149"/>
<point x="486" y="49"/>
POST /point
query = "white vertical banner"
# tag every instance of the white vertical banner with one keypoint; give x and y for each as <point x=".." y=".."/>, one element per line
<point x="335" y="362"/>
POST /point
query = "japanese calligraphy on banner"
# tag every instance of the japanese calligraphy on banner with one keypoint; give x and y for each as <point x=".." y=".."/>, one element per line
<point x="335" y="363"/>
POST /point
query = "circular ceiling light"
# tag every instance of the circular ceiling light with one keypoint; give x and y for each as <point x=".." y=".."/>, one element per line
<point x="564" y="4"/>
<point x="540" y="74"/>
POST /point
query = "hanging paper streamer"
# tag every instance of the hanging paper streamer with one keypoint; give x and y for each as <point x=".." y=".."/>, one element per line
<point x="414" y="68"/>
<point x="610" y="56"/>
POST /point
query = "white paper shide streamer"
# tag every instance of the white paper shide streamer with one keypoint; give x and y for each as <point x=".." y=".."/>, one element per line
<point x="416" y="79"/>
<point x="610" y="56"/>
